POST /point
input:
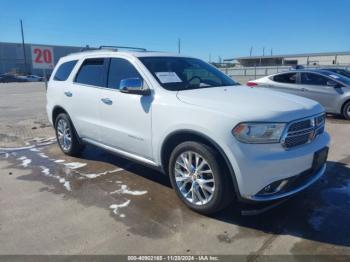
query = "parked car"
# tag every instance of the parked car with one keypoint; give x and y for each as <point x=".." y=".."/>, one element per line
<point x="339" y="71"/>
<point x="330" y="89"/>
<point x="34" y="78"/>
<point x="8" y="78"/>
<point x="216" y="140"/>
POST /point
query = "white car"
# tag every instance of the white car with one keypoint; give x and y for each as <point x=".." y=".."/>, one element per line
<point x="215" y="139"/>
<point x="32" y="78"/>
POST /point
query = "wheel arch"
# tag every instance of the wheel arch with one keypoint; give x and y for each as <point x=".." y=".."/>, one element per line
<point x="56" y="111"/>
<point x="346" y="100"/>
<point x="176" y="137"/>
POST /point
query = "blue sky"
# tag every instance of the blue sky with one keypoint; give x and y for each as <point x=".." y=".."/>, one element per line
<point x="225" y="28"/>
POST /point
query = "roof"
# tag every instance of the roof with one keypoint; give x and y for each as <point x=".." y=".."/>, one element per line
<point x="290" y="55"/>
<point x="109" y="52"/>
<point x="322" y="71"/>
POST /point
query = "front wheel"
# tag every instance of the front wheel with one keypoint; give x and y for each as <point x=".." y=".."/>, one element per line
<point x="198" y="179"/>
<point x="346" y="111"/>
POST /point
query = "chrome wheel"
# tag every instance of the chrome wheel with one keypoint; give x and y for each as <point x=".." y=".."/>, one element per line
<point x="194" y="178"/>
<point x="64" y="134"/>
<point x="348" y="111"/>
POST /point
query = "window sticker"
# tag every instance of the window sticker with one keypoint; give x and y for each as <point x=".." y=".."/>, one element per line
<point x="334" y="76"/>
<point x="168" y="77"/>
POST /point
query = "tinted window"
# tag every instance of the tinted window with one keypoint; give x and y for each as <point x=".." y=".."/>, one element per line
<point x="92" y="72"/>
<point x="64" y="70"/>
<point x="313" y="79"/>
<point x="120" y="69"/>
<point x="289" y="78"/>
<point x="180" y="73"/>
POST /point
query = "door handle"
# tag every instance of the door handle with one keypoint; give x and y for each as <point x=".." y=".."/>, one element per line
<point x="304" y="89"/>
<point x="107" y="101"/>
<point x="69" y="94"/>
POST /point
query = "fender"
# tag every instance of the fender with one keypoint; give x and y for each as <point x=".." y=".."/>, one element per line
<point x="212" y="143"/>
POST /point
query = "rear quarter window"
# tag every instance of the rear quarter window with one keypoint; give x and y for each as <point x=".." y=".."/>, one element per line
<point x="64" y="70"/>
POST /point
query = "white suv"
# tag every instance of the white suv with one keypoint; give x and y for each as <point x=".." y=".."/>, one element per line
<point x="214" y="138"/>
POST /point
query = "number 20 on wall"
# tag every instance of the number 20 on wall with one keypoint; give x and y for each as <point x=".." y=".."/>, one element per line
<point x="42" y="57"/>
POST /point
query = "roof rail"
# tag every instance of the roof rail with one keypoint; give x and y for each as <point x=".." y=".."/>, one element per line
<point x="87" y="48"/>
<point x="116" y="48"/>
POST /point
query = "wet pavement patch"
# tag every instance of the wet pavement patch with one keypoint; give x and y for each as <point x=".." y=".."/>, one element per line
<point x="103" y="180"/>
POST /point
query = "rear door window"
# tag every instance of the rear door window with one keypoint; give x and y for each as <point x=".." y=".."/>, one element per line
<point x="313" y="79"/>
<point x="288" y="78"/>
<point x="93" y="72"/>
<point x="120" y="69"/>
<point x="64" y="70"/>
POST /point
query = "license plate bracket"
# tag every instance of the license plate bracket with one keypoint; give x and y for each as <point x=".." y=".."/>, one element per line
<point x="320" y="157"/>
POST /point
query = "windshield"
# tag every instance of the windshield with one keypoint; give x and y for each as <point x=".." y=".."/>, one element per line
<point x="182" y="73"/>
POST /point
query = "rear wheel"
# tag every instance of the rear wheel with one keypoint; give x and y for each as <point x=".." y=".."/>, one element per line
<point x="346" y="110"/>
<point x="66" y="135"/>
<point x="198" y="179"/>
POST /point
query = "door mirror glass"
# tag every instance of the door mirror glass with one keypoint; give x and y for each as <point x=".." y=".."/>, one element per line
<point x="131" y="83"/>
<point x="133" y="86"/>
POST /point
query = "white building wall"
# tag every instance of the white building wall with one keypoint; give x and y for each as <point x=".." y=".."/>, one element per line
<point x="322" y="60"/>
<point x="302" y="60"/>
<point x="343" y="59"/>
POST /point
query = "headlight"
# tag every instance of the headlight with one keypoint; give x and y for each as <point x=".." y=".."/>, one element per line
<point x="255" y="133"/>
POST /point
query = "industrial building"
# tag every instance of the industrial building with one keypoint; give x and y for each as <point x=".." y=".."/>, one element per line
<point x="310" y="59"/>
<point x="12" y="57"/>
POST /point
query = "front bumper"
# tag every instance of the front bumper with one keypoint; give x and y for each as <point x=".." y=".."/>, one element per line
<point x="294" y="190"/>
<point x="257" y="166"/>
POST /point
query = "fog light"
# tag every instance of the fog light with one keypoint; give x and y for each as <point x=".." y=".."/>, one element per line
<point x="267" y="188"/>
<point x="274" y="187"/>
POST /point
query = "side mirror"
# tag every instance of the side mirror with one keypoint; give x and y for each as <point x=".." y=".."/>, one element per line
<point x="133" y="86"/>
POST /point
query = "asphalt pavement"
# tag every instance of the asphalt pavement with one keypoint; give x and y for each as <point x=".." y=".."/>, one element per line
<point x="100" y="203"/>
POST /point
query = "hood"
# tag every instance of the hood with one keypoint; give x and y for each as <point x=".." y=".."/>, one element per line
<point x="251" y="104"/>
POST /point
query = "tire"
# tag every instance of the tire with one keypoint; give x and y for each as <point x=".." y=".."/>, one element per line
<point x="221" y="193"/>
<point x="346" y="110"/>
<point x="74" y="147"/>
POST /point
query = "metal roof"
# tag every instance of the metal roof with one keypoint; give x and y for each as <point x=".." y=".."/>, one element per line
<point x="290" y="55"/>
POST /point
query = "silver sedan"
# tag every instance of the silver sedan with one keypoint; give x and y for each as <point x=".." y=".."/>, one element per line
<point x="330" y="89"/>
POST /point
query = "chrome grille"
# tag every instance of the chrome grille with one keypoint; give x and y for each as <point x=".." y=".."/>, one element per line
<point x="303" y="131"/>
<point x="300" y="125"/>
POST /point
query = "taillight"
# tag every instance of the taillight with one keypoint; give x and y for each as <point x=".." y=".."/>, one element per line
<point x="251" y="84"/>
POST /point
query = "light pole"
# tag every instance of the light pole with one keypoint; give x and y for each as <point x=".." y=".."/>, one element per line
<point x="24" y="49"/>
